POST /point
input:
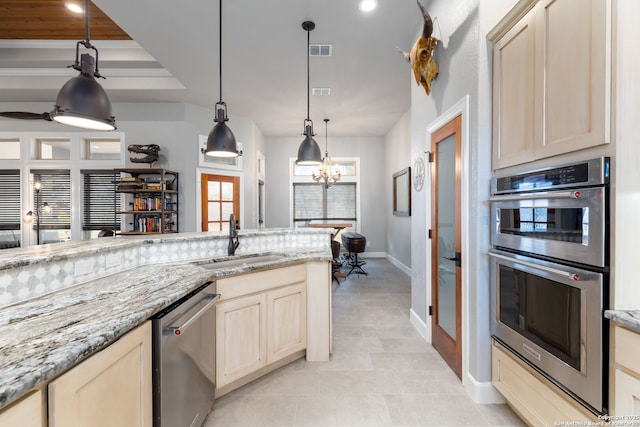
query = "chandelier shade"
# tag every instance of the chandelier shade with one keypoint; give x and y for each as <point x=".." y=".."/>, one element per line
<point x="328" y="174"/>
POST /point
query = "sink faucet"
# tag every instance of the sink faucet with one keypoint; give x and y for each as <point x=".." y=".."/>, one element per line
<point x="233" y="236"/>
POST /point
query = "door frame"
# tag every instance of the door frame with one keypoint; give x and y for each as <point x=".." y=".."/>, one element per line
<point x="199" y="172"/>
<point x="461" y="108"/>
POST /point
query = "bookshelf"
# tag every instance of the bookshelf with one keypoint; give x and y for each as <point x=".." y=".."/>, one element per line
<point x="149" y="201"/>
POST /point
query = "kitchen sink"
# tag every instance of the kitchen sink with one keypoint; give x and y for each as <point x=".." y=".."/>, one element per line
<point x="239" y="260"/>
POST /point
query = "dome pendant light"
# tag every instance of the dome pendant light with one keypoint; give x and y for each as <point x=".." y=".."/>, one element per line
<point x="309" y="151"/>
<point x="82" y="102"/>
<point x="221" y="141"/>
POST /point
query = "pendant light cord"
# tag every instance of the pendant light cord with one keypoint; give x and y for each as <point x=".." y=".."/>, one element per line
<point x="86" y="21"/>
<point x="308" y="44"/>
<point x="220" y="50"/>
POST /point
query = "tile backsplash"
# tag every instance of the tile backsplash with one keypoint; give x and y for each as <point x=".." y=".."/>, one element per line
<point x="76" y="264"/>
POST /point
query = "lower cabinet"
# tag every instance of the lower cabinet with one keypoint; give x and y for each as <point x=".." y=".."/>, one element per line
<point x="535" y="399"/>
<point x="626" y="389"/>
<point x="241" y="337"/>
<point x="261" y="319"/>
<point x="27" y="412"/>
<point x="110" y="389"/>
<point x="286" y="321"/>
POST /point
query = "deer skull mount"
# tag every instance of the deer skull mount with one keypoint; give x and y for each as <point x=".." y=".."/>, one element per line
<point x="425" y="68"/>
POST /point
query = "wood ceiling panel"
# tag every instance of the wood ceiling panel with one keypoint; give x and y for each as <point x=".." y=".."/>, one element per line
<point x="51" y="20"/>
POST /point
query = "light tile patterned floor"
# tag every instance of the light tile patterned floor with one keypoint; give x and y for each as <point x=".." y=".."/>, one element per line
<point x="382" y="373"/>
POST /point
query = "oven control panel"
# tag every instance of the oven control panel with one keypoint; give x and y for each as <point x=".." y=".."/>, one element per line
<point x="588" y="173"/>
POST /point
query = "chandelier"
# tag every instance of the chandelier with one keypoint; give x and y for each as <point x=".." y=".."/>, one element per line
<point x="328" y="174"/>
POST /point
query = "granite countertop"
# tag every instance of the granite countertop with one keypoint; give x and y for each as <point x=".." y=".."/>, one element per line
<point x="628" y="318"/>
<point x="42" y="338"/>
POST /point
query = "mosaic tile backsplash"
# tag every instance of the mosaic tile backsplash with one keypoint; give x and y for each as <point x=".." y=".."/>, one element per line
<point x="32" y="272"/>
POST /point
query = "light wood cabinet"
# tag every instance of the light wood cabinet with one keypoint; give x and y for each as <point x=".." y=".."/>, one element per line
<point x="261" y="319"/>
<point x="536" y="400"/>
<point x="551" y="79"/>
<point x="241" y="337"/>
<point x="110" y="389"/>
<point x="286" y="321"/>
<point x="626" y="389"/>
<point x="27" y="412"/>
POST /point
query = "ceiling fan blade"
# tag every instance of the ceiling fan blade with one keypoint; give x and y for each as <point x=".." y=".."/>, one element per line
<point x="25" y="116"/>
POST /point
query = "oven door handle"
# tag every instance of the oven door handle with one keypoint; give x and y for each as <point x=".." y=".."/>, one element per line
<point x="177" y="330"/>
<point x="572" y="276"/>
<point x="535" y="196"/>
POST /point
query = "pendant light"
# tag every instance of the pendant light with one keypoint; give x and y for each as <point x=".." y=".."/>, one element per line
<point x="82" y="102"/>
<point x="221" y="141"/>
<point x="327" y="175"/>
<point x="309" y="151"/>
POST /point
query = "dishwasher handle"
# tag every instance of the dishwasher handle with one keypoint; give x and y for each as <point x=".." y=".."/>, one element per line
<point x="177" y="330"/>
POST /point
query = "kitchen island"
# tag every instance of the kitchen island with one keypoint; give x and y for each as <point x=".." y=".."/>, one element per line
<point x="108" y="287"/>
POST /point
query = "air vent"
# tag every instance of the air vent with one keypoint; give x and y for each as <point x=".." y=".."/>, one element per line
<point x="320" y="91"/>
<point x="320" y="50"/>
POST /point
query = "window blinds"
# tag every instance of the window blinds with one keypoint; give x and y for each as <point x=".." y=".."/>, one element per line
<point x="56" y="191"/>
<point x="314" y="202"/>
<point x="10" y="215"/>
<point x="100" y="202"/>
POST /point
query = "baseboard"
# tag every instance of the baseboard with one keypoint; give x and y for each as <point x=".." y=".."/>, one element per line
<point x="406" y="270"/>
<point x="420" y="326"/>
<point x="372" y="255"/>
<point x="482" y="392"/>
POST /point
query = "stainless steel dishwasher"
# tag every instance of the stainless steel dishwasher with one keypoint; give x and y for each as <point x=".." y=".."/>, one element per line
<point x="184" y="360"/>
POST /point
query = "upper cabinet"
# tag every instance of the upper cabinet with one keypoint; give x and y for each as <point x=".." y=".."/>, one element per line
<point x="551" y="79"/>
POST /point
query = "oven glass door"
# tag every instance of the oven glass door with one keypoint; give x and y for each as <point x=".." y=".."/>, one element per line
<point x="567" y="225"/>
<point x="551" y="315"/>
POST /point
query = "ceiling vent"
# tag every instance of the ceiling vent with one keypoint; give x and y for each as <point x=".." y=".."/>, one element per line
<point x="320" y="49"/>
<point x="320" y="91"/>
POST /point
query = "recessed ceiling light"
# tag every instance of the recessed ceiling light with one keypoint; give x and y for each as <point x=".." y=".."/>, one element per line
<point x="368" y="5"/>
<point x="74" y="7"/>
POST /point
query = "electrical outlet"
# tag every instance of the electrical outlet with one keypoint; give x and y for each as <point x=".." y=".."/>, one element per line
<point x="368" y="243"/>
<point x="83" y="267"/>
<point x="113" y="260"/>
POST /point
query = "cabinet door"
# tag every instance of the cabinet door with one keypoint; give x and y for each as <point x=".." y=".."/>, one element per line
<point x="241" y="338"/>
<point x="286" y="321"/>
<point x="576" y="88"/>
<point x="28" y="412"/>
<point x="514" y="94"/>
<point x="110" y="389"/>
<point x="627" y="395"/>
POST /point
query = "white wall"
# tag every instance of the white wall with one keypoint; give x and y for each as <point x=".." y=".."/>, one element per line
<point x="397" y="156"/>
<point x="373" y="198"/>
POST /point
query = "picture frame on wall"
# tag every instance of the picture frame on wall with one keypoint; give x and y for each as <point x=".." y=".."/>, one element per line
<point x="402" y="192"/>
<point x="227" y="163"/>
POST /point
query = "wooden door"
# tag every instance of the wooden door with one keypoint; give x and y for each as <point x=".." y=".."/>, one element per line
<point x="220" y="198"/>
<point x="446" y="270"/>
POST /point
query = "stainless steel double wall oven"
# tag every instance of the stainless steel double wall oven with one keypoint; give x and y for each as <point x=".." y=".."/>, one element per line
<point x="549" y="273"/>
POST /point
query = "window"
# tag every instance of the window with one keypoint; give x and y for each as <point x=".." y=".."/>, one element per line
<point x="99" y="202"/>
<point x="10" y="148"/>
<point x="102" y="148"/>
<point x="311" y="201"/>
<point x="10" y="215"/>
<point x="52" y="149"/>
<point x="56" y="192"/>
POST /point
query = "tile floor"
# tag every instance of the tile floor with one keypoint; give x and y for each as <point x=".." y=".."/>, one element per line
<point x="382" y="373"/>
